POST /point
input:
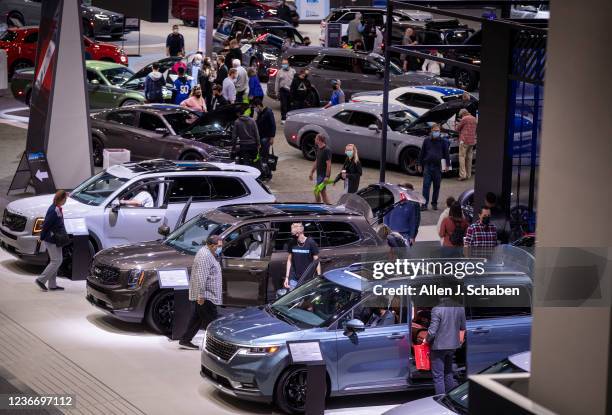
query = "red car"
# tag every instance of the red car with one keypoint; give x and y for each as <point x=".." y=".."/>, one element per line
<point x="20" y="45"/>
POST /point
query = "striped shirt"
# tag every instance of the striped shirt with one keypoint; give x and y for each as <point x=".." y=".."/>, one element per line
<point x="205" y="280"/>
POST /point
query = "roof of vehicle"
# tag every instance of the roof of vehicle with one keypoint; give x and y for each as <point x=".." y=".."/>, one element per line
<point x="129" y="170"/>
<point x="22" y="28"/>
<point x="102" y="65"/>
<point x="372" y="107"/>
<point x="370" y="9"/>
<point x="442" y="90"/>
<point x="267" y="22"/>
<point x="251" y="211"/>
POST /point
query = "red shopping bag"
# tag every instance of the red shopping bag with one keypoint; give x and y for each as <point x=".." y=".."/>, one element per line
<point x="421" y="356"/>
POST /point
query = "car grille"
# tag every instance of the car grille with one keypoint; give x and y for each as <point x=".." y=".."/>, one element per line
<point x="116" y="19"/>
<point x="13" y="221"/>
<point x="105" y="275"/>
<point x="219" y="348"/>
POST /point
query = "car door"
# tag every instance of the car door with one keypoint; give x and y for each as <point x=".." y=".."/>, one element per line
<point x="30" y="42"/>
<point x="150" y="141"/>
<point x="377" y="357"/>
<point x="126" y="224"/>
<point x="119" y="128"/>
<point x="358" y="132"/>
<point x="245" y="261"/>
<point x="100" y="91"/>
<point x="497" y="326"/>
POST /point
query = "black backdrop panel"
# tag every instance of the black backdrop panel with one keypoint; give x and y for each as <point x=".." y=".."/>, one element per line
<point x="150" y="10"/>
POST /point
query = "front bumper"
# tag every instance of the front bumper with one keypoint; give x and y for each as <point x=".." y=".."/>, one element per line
<point x="24" y="246"/>
<point x="123" y="304"/>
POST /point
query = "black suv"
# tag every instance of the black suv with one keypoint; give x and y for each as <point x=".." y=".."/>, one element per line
<point x="465" y="78"/>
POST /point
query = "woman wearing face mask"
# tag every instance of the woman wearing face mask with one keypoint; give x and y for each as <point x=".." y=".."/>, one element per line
<point x="195" y="101"/>
<point x="351" y="170"/>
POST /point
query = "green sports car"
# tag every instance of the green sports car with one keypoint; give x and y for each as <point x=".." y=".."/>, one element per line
<point x="104" y="81"/>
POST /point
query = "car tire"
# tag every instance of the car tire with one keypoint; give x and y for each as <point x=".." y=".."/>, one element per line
<point x="408" y="160"/>
<point x="160" y="312"/>
<point x="465" y="79"/>
<point x="290" y="391"/>
<point x="307" y="145"/>
<point x="191" y="156"/>
<point x="130" y="101"/>
<point x="97" y="151"/>
<point x="15" y="19"/>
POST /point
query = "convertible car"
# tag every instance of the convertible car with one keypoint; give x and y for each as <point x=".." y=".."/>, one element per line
<point x="361" y="123"/>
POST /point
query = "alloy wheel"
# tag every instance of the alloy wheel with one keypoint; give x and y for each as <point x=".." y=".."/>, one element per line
<point x="295" y="390"/>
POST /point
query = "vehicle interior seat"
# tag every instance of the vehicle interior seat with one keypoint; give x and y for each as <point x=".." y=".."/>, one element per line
<point x="254" y="246"/>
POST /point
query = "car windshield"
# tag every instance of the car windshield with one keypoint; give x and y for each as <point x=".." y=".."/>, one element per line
<point x="181" y="121"/>
<point x="95" y="190"/>
<point x="117" y="76"/>
<point x="315" y="304"/>
<point x="459" y="395"/>
<point x="190" y="237"/>
<point x="393" y="68"/>
<point x="400" y="120"/>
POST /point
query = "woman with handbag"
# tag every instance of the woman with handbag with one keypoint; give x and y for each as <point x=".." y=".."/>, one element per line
<point x="54" y="236"/>
<point x="351" y="170"/>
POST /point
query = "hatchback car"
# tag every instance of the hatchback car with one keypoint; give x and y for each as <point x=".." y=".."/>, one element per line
<point x="358" y="71"/>
<point x="360" y="124"/>
<point x="165" y="131"/>
<point x="109" y="223"/>
<point x="253" y="259"/>
<point x="246" y="354"/>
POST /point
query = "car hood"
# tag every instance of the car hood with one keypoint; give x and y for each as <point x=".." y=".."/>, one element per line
<point x="36" y="207"/>
<point x="246" y="326"/>
<point x="418" y="78"/>
<point x="441" y="113"/>
<point x="144" y="255"/>
<point x="424" y="406"/>
<point x="92" y="10"/>
<point x="224" y="116"/>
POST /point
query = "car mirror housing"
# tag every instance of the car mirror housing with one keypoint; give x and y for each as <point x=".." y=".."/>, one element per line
<point x="164" y="230"/>
<point x="353" y="326"/>
<point x="373" y="127"/>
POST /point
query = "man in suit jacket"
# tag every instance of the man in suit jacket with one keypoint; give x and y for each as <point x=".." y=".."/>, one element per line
<point x="446" y="334"/>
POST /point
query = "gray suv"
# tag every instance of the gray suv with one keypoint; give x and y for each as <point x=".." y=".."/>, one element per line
<point x="358" y="71"/>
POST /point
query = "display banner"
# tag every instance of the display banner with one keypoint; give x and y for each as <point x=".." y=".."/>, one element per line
<point x="312" y="10"/>
<point x="202" y="35"/>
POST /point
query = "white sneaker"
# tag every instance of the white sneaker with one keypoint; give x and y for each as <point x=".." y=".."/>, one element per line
<point x="282" y="122"/>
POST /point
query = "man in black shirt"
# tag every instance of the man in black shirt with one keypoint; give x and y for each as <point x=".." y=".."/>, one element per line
<point x="302" y="251"/>
<point x="284" y="12"/>
<point x="322" y="165"/>
<point x="175" y="43"/>
<point x="221" y="70"/>
<point x="434" y="150"/>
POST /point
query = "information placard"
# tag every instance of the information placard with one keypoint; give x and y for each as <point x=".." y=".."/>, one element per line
<point x="176" y="278"/>
<point x="307" y="352"/>
<point x="76" y="226"/>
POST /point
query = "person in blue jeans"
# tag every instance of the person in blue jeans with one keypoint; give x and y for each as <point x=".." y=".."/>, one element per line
<point x="446" y="334"/>
<point x="434" y="150"/>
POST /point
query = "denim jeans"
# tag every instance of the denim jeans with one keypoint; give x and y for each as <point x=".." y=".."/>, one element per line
<point x="432" y="174"/>
<point x="442" y="370"/>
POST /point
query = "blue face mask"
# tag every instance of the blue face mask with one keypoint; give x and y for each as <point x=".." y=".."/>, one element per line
<point x="218" y="251"/>
<point x="349" y="153"/>
<point x="435" y="134"/>
<point x="285" y="66"/>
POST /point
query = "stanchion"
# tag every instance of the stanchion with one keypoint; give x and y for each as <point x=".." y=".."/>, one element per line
<point x="309" y="353"/>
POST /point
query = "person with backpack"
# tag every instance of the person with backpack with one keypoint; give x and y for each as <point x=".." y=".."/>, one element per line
<point x="453" y="227"/>
<point x="182" y="87"/>
<point x="154" y="82"/>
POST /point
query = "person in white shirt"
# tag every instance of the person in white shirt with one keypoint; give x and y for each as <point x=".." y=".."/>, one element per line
<point x="432" y="66"/>
<point x="229" y="88"/>
<point x="142" y="199"/>
<point x="242" y="80"/>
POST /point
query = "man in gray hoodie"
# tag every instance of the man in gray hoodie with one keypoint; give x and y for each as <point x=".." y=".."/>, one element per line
<point x="153" y="85"/>
<point x="246" y="139"/>
<point x="282" y="87"/>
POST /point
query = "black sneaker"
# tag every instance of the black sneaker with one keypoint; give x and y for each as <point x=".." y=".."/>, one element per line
<point x="434" y="207"/>
<point x="41" y="285"/>
<point x="57" y="288"/>
<point x="423" y="208"/>
<point x="188" y="345"/>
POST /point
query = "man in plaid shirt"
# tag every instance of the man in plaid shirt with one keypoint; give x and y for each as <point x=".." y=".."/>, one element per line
<point x="483" y="233"/>
<point x="204" y="289"/>
<point x="467" y="140"/>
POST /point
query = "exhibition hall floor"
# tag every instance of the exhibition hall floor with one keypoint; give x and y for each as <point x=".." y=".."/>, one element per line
<point x="56" y="342"/>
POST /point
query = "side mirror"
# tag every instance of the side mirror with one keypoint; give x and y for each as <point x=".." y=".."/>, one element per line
<point x="373" y="127"/>
<point x="115" y="206"/>
<point x="164" y="230"/>
<point x="94" y="82"/>
<point x="162" y="131"/>
<point x="353" y="326"/>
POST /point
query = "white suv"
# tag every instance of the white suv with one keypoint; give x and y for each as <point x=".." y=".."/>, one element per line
<point x="110" y="223"/>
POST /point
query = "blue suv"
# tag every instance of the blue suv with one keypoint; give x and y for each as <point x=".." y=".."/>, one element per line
<point x="246" y="355"/>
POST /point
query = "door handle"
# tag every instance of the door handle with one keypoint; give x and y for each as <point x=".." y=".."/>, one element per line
<point x="255" y="270"/>
<point x="396" y="336"/>
<point x="480" y="330"/>
<point x="153" y="219"/>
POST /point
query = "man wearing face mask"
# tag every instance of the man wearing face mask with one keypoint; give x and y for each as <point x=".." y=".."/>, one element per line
<point x="204" y="289"/>
<point x="302" y="251"/>
<point x="282" y="87"/>
<point x="483" y="233"/>
<point x="175" y="43"/>
<point x="433" y="161"/>
<point x="337" y="96"/>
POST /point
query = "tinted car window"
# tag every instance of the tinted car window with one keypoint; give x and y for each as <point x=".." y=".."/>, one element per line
<point x="377" y="197"/>
<point x="375" y="18"/>
<point x="363" y="119"/>
<point x="181" y="121"/>
<point x="31" y="38"/>
<point x="406" y="98"/>
<point x="338" y="233"/>
<point x="150" y="122"/>
<point x="93" y="75"/>
<point x="225" y="27"/>
<point x="378" y="311"/>
<point x="300" y="61"/>
<point x="185" y="187"/>
<point x="424" y="101"/>
<point x="227" y="187"/>
<point x="343" y="116"/>
<point x="122" y="117"/>
<point x="347" y="18"/>
<point x="336" y="63"/>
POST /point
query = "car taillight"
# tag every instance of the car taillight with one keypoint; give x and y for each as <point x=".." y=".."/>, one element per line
<point x="272" y="71"/>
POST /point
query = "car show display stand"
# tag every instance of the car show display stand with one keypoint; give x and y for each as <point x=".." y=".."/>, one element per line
<point x="81" y="253"/>
<point x="178" y="281"/>
<point x="309" y="353"/>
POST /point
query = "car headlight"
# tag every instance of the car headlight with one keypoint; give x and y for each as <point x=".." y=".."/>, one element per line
<point x="135" y="278"/>
<point x="258" y="351"/>
<point x="269" y="56"/>
<point x="273" y="11"/>
<point x="100" y="16"/>
<point x="38" y="223"/>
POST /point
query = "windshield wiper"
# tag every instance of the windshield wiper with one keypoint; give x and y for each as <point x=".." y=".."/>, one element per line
<point x="283" y="317"/>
